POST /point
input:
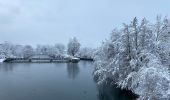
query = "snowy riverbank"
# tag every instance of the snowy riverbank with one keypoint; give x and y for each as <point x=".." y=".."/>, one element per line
<point x="2" y="60"/>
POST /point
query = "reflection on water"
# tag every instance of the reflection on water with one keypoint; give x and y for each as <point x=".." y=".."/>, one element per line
<point x="9" y="67"/>
<point x="86" y="63"/>
<point x="73" y="70"/>
<point x="47" y="81"/>
<point x="54" y="81"/>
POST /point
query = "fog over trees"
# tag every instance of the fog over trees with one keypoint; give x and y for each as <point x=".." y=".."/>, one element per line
<point x="136" y="57"/>
<point x="10" y="50"/>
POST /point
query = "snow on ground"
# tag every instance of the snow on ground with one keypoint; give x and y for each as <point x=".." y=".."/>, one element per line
<point x="2" y="60"/>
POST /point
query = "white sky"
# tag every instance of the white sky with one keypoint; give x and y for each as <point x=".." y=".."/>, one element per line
<point x="55" y="21"/>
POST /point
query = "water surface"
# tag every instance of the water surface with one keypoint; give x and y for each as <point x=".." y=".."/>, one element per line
<point x="51" y="81"/>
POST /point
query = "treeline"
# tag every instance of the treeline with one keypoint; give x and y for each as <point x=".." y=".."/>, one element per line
<point x="10" y="50"/>
<point x="136" y="57"/>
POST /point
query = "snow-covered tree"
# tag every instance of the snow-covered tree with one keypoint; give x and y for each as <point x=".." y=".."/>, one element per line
<point x="27" y="51"/>
<point x="60" y="50"/>
<point x="163" y="42"/>
<point x="2" y="53"/>
<point x="7" y="49"/>
<point x="18" y="51"/>
<point x="135" y="32"/>
<point x="86" y="53"/>
<point x="137" y="59"/>
<point x="158" y="27"/>
<point x="73" y="46"/>
<point x="146" y="36"/>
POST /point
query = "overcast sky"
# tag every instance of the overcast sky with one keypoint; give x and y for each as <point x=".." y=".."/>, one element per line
<point x="55" y="21"/>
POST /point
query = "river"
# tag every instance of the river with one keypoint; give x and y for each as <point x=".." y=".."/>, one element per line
<point x="52" y="81"/>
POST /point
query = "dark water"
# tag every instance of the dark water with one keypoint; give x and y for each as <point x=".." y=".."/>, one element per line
<point x="52" y="81"/>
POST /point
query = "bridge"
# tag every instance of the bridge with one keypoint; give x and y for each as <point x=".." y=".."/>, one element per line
<point x="41" y="59"/>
